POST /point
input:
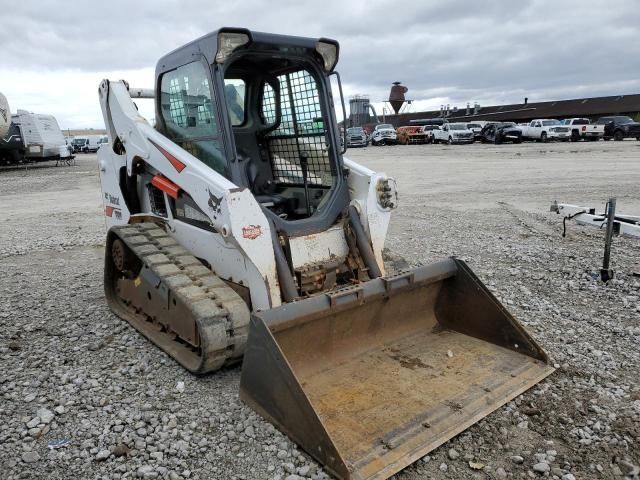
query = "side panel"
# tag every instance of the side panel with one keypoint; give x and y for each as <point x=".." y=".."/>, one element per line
<point x="319" y="247"/>
<point x="115" y="209"/>
<point x="363" y="184"/>
<point x="233" y="213"/>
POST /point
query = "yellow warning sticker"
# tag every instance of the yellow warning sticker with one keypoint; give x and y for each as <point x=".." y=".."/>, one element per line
<point x="137" y="282"/>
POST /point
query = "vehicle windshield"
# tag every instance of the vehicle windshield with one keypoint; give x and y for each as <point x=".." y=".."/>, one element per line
<point x="384" y="125"/>
<point x="508" y="124"/>
<point x="473" y="125"/>
<point x="355" y="130"/>
<point x="579" y="121"/>
<point x="78" y="141"/>
<point x="548" y="123"/>
<point x="624" y="120"/>
<point x="457" y="126"/>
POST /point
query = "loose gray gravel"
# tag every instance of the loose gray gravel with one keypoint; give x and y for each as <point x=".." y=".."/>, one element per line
<point x="74" y="372"/>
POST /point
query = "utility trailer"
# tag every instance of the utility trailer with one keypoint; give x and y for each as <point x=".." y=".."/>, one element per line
<point x="625" y="225"/>
<point x="11" y="145"/>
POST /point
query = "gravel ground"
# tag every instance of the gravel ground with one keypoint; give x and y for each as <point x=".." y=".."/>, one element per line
<point x="74" y="372"/>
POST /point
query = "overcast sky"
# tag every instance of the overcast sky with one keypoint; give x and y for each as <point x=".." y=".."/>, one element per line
<point x="53" y="54"/>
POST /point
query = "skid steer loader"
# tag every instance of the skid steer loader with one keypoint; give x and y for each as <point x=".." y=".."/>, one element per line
<point x="237" y="228"/>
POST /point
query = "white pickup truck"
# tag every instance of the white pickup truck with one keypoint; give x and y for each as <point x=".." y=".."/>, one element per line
<point x="583" y="128"/>
<point x="544" y="129"/>
<point x="452" y="133"/>
<point x="384" y="134"/>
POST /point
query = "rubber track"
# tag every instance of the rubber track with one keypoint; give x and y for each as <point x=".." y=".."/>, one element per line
<point x="222" y="317"/>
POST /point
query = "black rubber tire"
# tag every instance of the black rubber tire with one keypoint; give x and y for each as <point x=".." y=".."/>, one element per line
<point x="606" y="139"/>
<point x="618" y="135"/>
<point x="575" y="136"/>
<point x="544" y="138"/>
<point x="450" y="141"/>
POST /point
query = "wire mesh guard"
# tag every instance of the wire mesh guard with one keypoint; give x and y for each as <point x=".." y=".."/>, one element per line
<point x="301" y="133"/>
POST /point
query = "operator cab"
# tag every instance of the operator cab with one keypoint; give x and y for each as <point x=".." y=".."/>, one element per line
<point x="267" y="124"/>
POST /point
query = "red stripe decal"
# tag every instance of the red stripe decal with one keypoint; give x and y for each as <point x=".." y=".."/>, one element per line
<point x="166" y="185"/>
<point x="177" y="164"/>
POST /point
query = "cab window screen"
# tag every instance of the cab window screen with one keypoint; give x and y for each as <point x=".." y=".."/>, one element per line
<point x="189" y="114"/>
<point x="301" y="132"/>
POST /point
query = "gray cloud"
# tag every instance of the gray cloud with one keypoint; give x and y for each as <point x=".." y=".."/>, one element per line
<point x="460" y="51"/>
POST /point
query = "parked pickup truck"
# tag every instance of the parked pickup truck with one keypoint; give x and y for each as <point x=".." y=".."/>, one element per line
<point x="384" y="134"/>
<point x="452" y="133"/>
<point x="544" y="129"/>
<point x="582" y="128"/>
<point x="619" y="127"/>
<point x="411" y="135"/>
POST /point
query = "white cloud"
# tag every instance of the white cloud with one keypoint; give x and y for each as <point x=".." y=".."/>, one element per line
<point x="70" y="95"/>
<point x="445" y="52"/>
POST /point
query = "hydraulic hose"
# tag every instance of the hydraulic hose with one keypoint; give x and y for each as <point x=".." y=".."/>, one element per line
<point x="285" y="278"/>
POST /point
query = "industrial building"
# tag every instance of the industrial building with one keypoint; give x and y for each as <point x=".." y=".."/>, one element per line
<point x="363" y="114"/>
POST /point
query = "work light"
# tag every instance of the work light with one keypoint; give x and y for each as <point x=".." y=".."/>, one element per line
<point x="228" y="42"/>
<point x="328" y="50"/>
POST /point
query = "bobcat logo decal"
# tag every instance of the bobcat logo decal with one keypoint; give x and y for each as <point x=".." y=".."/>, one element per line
<point x="214" y="203"/>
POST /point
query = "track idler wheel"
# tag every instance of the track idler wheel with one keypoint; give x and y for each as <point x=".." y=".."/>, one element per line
<point x="125" y="261"/>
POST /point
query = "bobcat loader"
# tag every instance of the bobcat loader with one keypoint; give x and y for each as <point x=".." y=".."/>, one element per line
<point x="236" y="228"/>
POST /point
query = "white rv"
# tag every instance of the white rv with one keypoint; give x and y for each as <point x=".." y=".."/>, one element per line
<point x="41" y="135"/>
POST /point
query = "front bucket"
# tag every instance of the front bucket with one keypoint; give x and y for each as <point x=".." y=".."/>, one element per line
<point x="369" y="379"/>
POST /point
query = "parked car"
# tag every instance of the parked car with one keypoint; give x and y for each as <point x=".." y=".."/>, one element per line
<point x="384" y="134"/>
<point x="476" y="128"/>
<point x="619" y="127"/>
<point x="78" y="144"/>
<point x="102" y="140"/>
<point x="411" y="135"/>
<point x="500" y="132"/>
<point x="356" y="137"/>
<point x="545" y="129"/>
<point x="582" y="128"/>
<point x="453" y="133"/>
<point x="92" y="144"/>
<point x="428" y="132"/>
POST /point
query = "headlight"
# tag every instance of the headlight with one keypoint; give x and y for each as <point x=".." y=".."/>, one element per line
<point x="228" y="42"/>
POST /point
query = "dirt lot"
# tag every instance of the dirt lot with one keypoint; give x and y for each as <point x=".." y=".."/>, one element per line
<point x="73" y="371"/>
